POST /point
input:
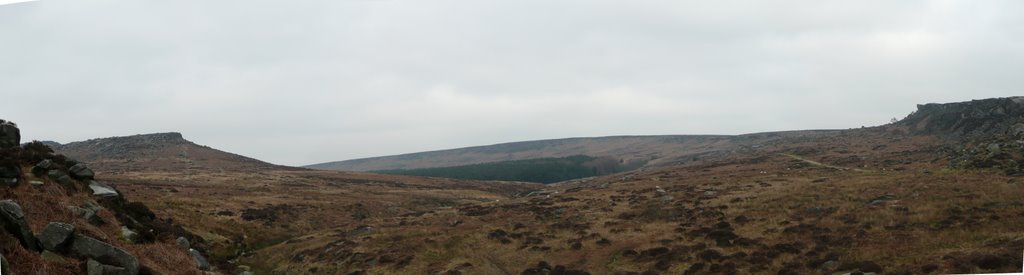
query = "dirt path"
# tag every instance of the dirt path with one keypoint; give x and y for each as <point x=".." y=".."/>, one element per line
<point x="815" y="163"/>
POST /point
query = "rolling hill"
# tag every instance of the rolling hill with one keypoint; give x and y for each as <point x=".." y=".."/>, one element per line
<point x="156" y="152"/>
<point x="937" y="192"/>
<point x="631" y="150"/>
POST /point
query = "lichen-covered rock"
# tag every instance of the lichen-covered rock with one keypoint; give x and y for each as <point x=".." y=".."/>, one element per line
<point x="89" y="248"/>
<point x="14" y="221"/>
<point x="56" y="235"/>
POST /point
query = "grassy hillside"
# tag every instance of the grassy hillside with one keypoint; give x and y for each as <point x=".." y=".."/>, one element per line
<point x="542" y="170"/>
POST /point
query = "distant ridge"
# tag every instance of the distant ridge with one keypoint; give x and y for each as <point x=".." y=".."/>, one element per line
<point x="155" y="152"/>
<point x="976" y="119"/>
<point x="650" y="150"/>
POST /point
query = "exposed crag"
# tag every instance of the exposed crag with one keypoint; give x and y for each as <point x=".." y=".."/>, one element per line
<point x="59" y="218"/>
<point x="977" y="119"/>
<point x="987" y="133"/>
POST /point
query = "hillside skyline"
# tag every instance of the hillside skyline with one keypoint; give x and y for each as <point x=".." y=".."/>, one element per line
<point x="306" y="82"/>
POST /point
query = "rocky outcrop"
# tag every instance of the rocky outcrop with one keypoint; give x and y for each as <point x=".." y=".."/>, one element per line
<point x="10" y="135"/>
<point x="61" y="243"/>
<point x="972" y="119"/>
<point x="987" y="133"/>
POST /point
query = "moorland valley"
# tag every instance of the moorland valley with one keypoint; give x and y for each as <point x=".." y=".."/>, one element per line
<point x="935" y="192"/>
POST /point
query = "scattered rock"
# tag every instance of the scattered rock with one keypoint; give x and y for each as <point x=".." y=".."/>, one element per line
<point x="201" y="261"/>
<point x="86" y="247"/>
<point x="882" y="199"/>
<point x="102" y="190"/>
<point x="56" y="235"/>
<point x="363" y="230"/>
<point x="14" y="222"/>
<point x="183" y="243"/>
<point x="130" y="235"/>
<point x="828" y="266"/>
<point x="81" y="172"/>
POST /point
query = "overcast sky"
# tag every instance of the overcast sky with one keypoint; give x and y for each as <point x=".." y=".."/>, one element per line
<point x="302" y="82"/>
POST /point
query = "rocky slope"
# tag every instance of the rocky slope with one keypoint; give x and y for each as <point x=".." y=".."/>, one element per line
<point x="59" y="218"/>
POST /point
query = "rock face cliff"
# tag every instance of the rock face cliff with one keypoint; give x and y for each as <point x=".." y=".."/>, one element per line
<point x="987" y="133"/>
<point x="977" y="119"/>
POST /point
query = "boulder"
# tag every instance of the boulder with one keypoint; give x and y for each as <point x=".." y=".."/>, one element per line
<point x="130" y="235"/>
<point x="201" y="261"/>
<point x="81" y="172"/>
<point x="14" y="221"/>
<point x="42" y="167"/>
<point x="10" y="136"/>
<point x="88" y="248"/>
<point x="102" y="190"/>
<point x="183" y="243"/>
<point x="96" y="268"/>
<point x="56" y="235"/>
